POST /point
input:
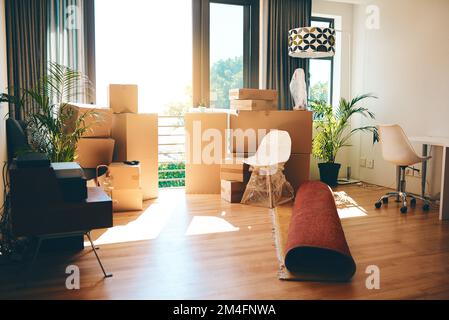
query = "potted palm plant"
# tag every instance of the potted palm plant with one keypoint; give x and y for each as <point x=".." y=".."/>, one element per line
<point x="49" y="122"/>
<point x="334" y="132"/>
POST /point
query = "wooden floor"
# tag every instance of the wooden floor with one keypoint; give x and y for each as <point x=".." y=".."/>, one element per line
<point x="199" y="247"/>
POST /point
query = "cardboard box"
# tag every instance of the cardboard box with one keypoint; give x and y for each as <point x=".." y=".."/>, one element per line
<point x="297" y="170"/>
<point x="124" y="176"/>
<point x="233" y="169"/>
<point x="253" y="94"/>
<point x="203" y="175"/>
<point x="99" y="122"/>
<point x="123" y="98"/>
<point x="92" y="152"/>
<point x="242" y="155"/>
<point x="297" y="123"/>
<point x="127" y="200"/>
<point x="136" y="138"/>
<point x="149" y="178"/>
<point x="232" y="175"/>
<point x="253" y="105"/>
<point x="232" y="191"/>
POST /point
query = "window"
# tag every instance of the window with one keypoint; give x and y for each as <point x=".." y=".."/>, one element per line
<point x="148" y="43"/>
<point x="321" y="83"/>
<point x="226" y="52"/>
<point x="226" y="33"/>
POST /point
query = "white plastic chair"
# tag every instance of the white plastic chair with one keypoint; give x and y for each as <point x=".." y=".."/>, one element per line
<point x="272" y="154"/>
<point x="275" y="148"/>
<point x="397" y="149"/>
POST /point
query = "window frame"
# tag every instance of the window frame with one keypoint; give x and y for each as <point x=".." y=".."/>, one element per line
<point x="201" y="47"/>
<point x="331" y="22"/>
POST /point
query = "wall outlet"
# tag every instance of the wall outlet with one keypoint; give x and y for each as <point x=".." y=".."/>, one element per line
<point x="370" y="164"/>
<point x="363" y="162"/>
<point x="409" y="172"/>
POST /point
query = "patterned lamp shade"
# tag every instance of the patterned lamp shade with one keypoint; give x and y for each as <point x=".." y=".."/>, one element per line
<point x="311" y="42"/>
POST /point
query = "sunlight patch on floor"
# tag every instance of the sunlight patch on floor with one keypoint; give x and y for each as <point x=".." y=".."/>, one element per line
<point x="147" y="226"/>
<point x="209" y="225"/>
<point x="348" y="207"/>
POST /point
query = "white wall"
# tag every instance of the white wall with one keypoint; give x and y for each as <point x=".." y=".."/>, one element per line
<point x="406" y="64"/>
<point x="3" y="85"/>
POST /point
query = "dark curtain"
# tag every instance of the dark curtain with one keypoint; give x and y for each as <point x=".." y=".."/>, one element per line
<point x="89" y="45"/>
<point x="201" y="63"/>
<point x="284" y="15"/>
<point x="36" y="33"/>
<point x="26" y="37"/>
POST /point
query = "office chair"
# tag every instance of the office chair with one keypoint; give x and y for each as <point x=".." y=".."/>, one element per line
<point x="396" y="148"/>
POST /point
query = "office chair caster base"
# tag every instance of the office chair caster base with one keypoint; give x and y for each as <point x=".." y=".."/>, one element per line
<point x="413" y="203"/>
<point x="384" y="200"/>
<point x="404" y="210"/>
<point x="426" y="207"/>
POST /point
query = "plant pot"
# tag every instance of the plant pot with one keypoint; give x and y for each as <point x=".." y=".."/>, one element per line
<point x="329" y="173"/>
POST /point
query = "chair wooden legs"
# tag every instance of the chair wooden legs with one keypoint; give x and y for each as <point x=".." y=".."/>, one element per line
<point x="270" y="192"/>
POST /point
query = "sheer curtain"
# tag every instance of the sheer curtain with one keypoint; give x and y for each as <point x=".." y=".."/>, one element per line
<point x="43" y="31"/>
<point x="70" y="38"/>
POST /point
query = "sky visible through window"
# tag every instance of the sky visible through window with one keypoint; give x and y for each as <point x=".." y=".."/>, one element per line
<point x="226" y="52"/>
<point x="226" y="31"/>
<point x="148" y="43"/>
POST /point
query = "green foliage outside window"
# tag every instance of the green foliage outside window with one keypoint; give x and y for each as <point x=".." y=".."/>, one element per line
<point x="172" y="174"/>
<point x="320" y="92"/>
<point x="224" y="76"/>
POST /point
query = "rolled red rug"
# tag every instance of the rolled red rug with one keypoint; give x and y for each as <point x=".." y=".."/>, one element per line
<point x="316" y="245"/>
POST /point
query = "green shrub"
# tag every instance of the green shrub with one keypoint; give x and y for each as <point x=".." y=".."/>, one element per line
<point x="172" y="174"/>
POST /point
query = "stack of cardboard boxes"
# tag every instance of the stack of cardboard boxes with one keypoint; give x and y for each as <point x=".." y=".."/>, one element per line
<point x="234" y="175"/>
<point x="299" y="126"/>
<point x="136" y="137"/>
<point x="96" y="146"/>
<point x="253" y="99"/>
<point x="209" y="178"/>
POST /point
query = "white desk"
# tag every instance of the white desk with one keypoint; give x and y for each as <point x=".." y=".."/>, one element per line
<point x="444" y="143"/>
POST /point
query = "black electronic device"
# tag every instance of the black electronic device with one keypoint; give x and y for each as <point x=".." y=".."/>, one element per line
<point x="71" y="180"/>
<point x="132" y="163"/>
<point x="32" y="160"/>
